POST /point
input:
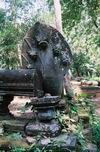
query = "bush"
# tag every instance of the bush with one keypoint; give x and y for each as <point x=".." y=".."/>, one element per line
<point x="82" y="65"/>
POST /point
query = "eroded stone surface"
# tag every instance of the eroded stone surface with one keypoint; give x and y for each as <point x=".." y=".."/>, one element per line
<point x="45" y="115"/>
<point x="63" y="141"/>
<point x="91" y="147"/>
<point x="45" y="101"/>
<point x="13" y="125"/>
<point x="47" y="51"/>
<point x="52" y="128"/>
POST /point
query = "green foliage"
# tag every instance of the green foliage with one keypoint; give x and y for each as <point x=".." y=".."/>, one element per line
<point x="15" y="136"/>
<point x="72" y="106"/>
<point x="82" y="64"/>
<point x="95" y="126"/>
<point x="18" y="150"/>
<point x="93" y="10"/>
<point x="2" y="18"/>
<point x="81" y="139"/>
<point x="71" y="12"/>
<point x="97" y="68"/>
<point x="24" y="150"/>
<point x="8" y="47"/>
<point x="81" y="26"/>
<point x="11" y="33"/>
<point x="86" y="102"/>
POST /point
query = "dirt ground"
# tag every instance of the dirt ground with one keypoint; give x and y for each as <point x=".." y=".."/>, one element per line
<point x="17" y="107"/>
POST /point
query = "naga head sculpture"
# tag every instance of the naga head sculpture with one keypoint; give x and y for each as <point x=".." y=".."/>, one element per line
<point x="46" y="50"/>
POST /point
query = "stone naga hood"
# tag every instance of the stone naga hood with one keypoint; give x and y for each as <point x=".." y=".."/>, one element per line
<point x="42" y="37"/>
<point x="46" y="50"/>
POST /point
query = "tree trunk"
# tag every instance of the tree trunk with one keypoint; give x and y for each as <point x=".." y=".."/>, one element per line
<point x="78" y="72"/>
<point x="14" y="12"/>
<point x="58" y="17"/>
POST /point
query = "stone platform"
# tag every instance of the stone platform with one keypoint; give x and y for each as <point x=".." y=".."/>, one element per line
<point x="43" y="130"/>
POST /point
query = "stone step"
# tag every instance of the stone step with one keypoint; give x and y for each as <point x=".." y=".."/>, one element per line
<point x="13" y="125"/>
<point x="62" y="143"/>
<point x="51" y="128"/>
<point x="91" y="148"/>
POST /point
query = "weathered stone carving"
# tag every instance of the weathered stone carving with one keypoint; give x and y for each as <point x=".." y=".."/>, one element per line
<point x="16" y="83"/>
<point x="52" y="128"/>
<point x="44" y="42"/>
<point x="46" y="50"/>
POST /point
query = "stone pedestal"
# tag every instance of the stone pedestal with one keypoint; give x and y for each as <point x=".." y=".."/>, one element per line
<point x="47" y="126"/>
<point x="46" y="122"/>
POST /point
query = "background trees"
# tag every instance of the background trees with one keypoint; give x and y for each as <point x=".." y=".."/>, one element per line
<point x="81" y="24"/>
